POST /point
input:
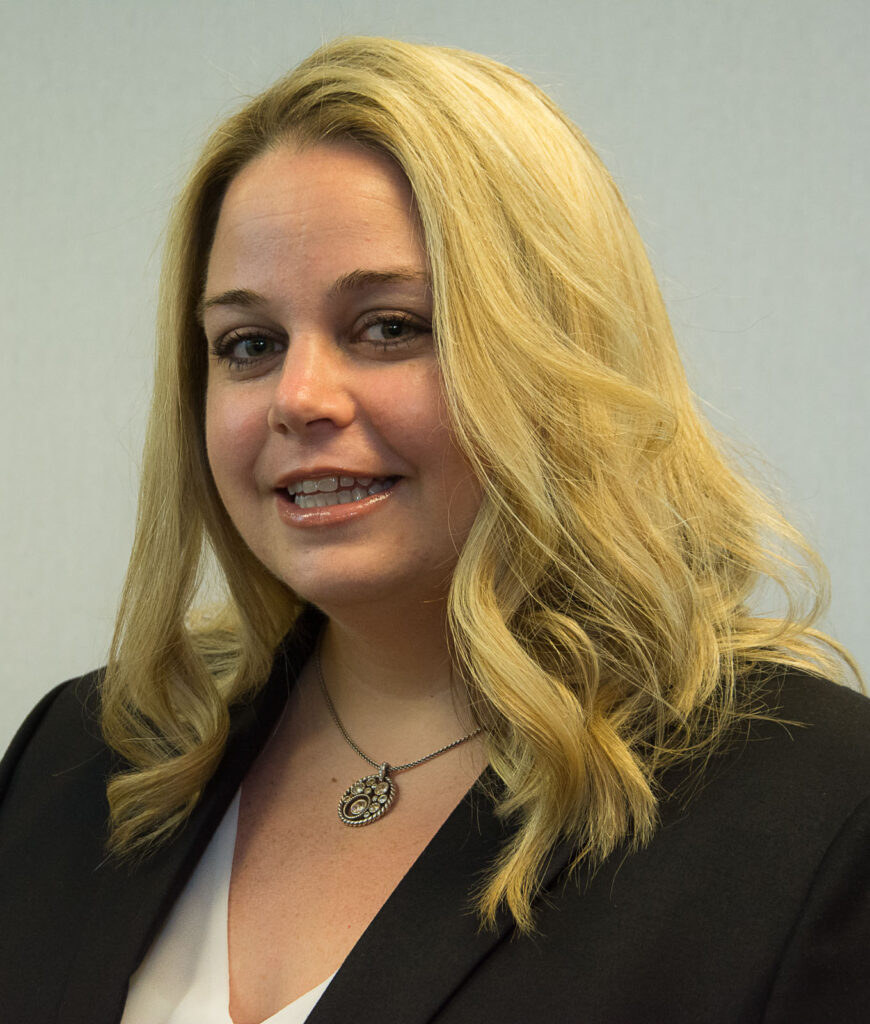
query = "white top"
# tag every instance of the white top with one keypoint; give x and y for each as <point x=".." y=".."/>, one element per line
<point x="185" y="976"/>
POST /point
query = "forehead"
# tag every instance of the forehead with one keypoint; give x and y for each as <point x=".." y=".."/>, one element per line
<point x="319" y="165"/>
<point x="313" y="209"/>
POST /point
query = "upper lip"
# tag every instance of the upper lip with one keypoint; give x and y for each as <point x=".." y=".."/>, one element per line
<point x="318" y="472"/>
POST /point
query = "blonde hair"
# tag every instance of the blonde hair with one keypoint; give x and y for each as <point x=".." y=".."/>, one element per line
<point x="600" y="611"/>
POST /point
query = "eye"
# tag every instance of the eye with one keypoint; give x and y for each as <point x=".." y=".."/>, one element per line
<point x="242" y="349"/>
<point x="391" y="330"/>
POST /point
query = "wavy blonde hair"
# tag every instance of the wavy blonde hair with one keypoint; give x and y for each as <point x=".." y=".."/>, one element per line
<point x="600" y="611"/>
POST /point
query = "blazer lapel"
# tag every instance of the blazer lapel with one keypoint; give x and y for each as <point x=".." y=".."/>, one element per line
<point x="130" y="903"/>
<point x="426" y="939"/>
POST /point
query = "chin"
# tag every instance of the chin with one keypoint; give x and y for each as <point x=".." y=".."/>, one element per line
<point x="333" y="592"/>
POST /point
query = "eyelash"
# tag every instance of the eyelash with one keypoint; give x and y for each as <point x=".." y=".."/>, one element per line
<point x="404" y="319"/>
<point x="223" y="347"/>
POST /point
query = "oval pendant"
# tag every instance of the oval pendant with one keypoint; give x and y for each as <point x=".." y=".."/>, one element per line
<point x="366" y="800"/>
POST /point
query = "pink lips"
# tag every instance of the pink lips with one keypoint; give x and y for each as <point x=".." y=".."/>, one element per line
<point x="330" y="515"/>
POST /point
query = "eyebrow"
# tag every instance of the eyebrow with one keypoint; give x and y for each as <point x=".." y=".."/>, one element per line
<point x="354" y="281"/>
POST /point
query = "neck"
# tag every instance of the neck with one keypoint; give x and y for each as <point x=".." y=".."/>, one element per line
<point x="392" y="682"/>
<point x="393" y="657"/>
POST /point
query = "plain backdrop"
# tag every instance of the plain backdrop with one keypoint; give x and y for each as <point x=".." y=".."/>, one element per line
<point x="737" y="131"/>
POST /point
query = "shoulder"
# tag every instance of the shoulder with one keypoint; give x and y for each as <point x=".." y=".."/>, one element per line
<point x="57" y="749"/>
<point x="810" y="743"/>
<point x="757" y="882"/>
<point x="72" y="706"/>
<point x="751" y="901"/>
<point x="829" y="711"/>
<point x="805" y="795"/>
<point x="789" y="775"/>
<point x="66" y="718"/>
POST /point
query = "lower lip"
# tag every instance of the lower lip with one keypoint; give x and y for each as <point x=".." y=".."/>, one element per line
<point x="331" y="515"/>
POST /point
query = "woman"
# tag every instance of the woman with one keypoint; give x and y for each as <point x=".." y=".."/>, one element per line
<point x="418" y="395"/>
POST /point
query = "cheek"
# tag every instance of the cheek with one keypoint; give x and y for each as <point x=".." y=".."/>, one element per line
<point x="455" y="488"/>
<point x="420" y="417"/>
<point x="234" y="434"/>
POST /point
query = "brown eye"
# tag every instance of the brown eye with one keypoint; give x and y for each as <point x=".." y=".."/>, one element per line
<point x="386" y="331"/>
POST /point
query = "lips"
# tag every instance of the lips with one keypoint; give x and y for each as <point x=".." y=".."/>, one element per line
<point x="332" y="498"/>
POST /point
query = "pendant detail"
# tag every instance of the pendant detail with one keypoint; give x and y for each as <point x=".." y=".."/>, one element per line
<point x="367" y="799"/>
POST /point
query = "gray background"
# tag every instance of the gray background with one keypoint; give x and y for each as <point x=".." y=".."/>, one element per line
<point x="737" y="131"/>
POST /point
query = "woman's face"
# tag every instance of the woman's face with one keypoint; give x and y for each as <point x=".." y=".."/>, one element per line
<point x="326" y="430"/>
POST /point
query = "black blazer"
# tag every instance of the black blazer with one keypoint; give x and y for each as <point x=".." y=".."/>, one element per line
<point x="752" y="902"/>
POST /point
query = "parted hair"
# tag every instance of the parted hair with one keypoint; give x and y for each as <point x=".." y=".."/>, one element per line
<point x="601" y="613"/>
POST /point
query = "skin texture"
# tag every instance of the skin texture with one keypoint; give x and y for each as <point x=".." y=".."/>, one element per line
<point x="317" y="388"/>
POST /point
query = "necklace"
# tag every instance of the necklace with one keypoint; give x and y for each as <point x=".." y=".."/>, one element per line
<point x="370" y="797"/>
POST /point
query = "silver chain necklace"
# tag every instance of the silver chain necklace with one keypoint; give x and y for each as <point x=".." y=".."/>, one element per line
<point x="370" y="797"/>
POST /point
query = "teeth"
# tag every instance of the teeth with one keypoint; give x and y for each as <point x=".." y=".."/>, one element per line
<point x="329" y="484"/>
<point x="332" y="490"/>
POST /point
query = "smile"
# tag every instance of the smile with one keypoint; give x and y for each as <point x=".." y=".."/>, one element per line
<point x="336" y="490"/>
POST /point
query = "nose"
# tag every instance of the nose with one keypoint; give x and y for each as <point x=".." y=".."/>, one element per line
<point x="311" y="389"/>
